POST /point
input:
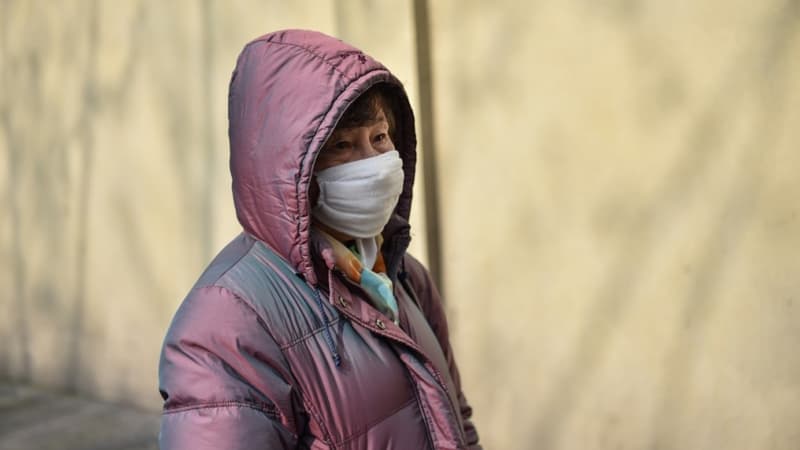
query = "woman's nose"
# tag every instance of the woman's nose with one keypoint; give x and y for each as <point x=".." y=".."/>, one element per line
<point x="366" y="149"/>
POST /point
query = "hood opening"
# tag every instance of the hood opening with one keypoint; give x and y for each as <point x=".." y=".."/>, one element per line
<point x="287" y="93"/>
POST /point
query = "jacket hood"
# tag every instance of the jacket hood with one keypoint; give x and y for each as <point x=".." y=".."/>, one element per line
<point x="287" y="93"/>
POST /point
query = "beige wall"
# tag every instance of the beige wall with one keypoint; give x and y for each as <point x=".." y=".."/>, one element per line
<point x="623" y="218"/>
<point x="620" y="201"/>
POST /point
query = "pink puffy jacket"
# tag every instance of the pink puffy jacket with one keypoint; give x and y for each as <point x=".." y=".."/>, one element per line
<point x="273" y="348"/>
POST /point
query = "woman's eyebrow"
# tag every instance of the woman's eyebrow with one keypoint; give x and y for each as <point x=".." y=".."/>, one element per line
<point x="368" y="123"/>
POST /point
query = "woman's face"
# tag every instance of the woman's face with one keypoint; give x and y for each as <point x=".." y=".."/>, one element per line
<point x="352" y="144"/>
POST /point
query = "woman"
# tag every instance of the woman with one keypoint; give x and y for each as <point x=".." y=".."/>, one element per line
<point x="314" y="328"/>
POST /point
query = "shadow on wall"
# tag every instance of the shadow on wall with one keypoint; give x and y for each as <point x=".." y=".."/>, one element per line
<point x="52" y="174"/>
<point x="766" y="60"/>
<point x="48" y="203"/>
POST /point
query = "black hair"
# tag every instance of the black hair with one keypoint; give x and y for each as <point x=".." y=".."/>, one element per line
<point x="364" y="110"/>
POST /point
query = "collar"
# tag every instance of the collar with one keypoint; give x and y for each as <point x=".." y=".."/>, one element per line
<point x="395" y="237"/>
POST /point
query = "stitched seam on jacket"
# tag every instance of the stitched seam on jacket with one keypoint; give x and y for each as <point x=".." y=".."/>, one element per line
<point x="374" y="423"/>
<point x="423" y="411"/>
<point x="310" y="52"/>
<point x="269" y="412"/>
<point x="455" y="409"/>
<point x="266" y="329"/>
<point x="308" y="335"/>
<point x="304" y="337"/>
<point x="306" y="405"/>
<point x="326" y="435"/>
<point x="216" y="281"/>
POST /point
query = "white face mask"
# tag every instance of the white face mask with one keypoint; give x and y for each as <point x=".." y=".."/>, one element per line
<point x="357" y="198"/>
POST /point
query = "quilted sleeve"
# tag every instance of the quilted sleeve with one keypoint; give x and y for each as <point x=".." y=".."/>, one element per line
<point x="431" y="305"/>
<point x="223" y="378"/>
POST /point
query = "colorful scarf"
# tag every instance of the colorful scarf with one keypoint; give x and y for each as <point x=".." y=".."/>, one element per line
<point x="374" y="281"/>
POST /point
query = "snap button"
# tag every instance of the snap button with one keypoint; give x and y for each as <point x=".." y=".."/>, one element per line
<point x="342" y="302"/>
<point x="380" y="324"/>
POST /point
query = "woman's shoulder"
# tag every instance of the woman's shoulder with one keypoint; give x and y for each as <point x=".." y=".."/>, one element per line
<point x="250" y="270"/>
<point x="247" y="275"/>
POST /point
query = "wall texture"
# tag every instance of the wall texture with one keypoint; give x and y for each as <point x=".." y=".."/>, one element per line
<point x="623" y="217"/>
<point x="620" y="202"/>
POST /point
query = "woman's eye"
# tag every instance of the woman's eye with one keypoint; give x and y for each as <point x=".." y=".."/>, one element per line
<point x="380" y="138"/>
<point x="341" y="145"/>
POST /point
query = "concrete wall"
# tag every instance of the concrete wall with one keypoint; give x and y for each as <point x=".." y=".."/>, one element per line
<point x="619" y="201"/>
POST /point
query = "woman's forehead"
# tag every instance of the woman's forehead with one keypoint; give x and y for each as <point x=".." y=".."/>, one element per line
<point x="379" y="119"/>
